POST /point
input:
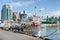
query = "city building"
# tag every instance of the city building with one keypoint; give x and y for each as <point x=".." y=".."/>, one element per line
<point x="59" y="19"/>
<point x="23" y="16"/>
<point x="15" y="16"/>
<point x="6" y="12"/>
<point x="30" y="19"/>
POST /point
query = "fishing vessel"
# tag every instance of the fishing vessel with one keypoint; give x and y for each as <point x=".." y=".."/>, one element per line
<point x="36" y="21"/>
<point x="35" y="24"/>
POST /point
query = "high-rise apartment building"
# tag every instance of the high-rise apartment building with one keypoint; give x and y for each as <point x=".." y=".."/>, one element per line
<point x="6" y="12"/>
<point x="23" y="16"/>
<point x="15" y="16"/>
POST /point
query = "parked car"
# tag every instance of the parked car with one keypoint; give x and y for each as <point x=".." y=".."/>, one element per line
<point x="17" y="27"/>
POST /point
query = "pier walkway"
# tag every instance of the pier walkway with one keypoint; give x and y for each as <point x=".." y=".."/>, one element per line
<point x="7" y="35"/>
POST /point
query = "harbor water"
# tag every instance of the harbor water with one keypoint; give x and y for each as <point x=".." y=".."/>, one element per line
<point x="49" y="32"/>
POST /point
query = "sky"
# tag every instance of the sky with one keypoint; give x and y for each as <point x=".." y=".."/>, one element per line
<point x="42" y="7"/>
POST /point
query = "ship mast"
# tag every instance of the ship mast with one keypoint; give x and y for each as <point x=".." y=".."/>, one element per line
<point x="35" y="10"/>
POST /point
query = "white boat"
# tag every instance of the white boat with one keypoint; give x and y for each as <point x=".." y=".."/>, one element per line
<point x="35" y="26"/>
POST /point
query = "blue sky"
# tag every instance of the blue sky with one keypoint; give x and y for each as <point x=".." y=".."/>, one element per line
<point x="47" y="7"/>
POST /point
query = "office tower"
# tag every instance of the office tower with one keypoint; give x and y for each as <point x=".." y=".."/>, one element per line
<point x="6" y="12"/>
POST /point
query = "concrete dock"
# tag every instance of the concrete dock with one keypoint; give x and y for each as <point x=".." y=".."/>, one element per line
<point x="7" y="35"/>
<point x="50" y="25"/>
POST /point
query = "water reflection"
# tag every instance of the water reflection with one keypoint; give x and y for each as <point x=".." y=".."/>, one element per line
<point x="51" y="32"/>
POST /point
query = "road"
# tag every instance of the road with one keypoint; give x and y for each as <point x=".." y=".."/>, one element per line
<point x="7" y="35"/>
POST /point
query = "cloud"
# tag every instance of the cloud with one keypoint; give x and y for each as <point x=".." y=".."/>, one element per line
<point x="29" y="14"/>
<point x="18" y="4"/>
<point x="25" y="12"/>
<point x="53" y="13"/>
<point x="41" y="9"/>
